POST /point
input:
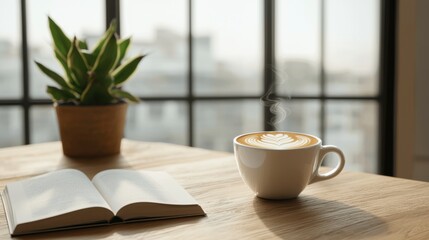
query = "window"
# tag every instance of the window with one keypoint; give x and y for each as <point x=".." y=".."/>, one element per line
<point x="11" y="131"/>
<point x="328" y="54"/>
<point x="89" y="25"/>
<point x="208" y="70"/>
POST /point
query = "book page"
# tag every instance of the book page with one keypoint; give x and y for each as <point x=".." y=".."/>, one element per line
<point x="124" y="187"/>
<point x="52" y="194"/>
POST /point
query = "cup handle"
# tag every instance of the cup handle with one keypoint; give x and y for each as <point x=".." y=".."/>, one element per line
<point x="334" y="172"/>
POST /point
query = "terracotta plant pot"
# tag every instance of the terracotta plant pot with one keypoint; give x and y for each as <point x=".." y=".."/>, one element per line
<point x="91" y="131"/>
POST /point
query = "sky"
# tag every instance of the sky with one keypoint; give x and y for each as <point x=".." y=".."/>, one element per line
<point x="235" y="26"/>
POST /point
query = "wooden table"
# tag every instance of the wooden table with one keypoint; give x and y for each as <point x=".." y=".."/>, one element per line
<point x="350" y="206"/>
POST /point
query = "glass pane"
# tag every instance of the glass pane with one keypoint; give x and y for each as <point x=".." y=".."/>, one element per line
<point x="352" y="126"/>
<point x="159" y="28"/>
<point x="44" y="125"/>
<point x="218" y="122"/>
<point x="352" y="47"/>
<point x="86" y="19"/>
<point x="228" y="47"/>
<point x="11" y="126"/>
<point x="158" y="122"/>
<point x="300" y="116"/>
<point x="10" y="44"/>
<point x="298" y="47"/>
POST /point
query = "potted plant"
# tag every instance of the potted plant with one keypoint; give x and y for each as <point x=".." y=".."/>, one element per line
<point x="89" y="100"/>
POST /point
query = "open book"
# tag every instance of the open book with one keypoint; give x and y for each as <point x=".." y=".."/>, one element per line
<point x="67" y="199"/>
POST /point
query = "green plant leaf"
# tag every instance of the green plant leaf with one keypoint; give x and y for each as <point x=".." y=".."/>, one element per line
<point x="89" y="57"/>
<point x="61" y="41"/>
<point x="97" y="92"/>
<point x="118" y="93"/>
<point x="82" y="44"/>
<point x="121" y="74"/>
<point x="99" y="45"/>
<point x="87" y="97"/>
<point x="123" y="47"/>
<point x="107" y="58"/>
<point x="62" y="59"/>
<point x="77" y="64"/>
<point x="53" y="75"/>
<point x="60" y="94"/>
<point x="91" y="77"/>
<point x="69" y="79"/>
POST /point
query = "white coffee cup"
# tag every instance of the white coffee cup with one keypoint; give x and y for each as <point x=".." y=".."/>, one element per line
<point x="280" y="164"/>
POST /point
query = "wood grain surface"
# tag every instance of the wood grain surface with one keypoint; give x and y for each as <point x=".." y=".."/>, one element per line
<point x="350" y="206"/>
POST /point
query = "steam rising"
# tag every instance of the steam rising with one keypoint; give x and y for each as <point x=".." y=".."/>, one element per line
<point x="274" y="103"/>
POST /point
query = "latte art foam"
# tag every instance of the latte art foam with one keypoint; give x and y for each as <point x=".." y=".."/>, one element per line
<point x="277" y="140"/>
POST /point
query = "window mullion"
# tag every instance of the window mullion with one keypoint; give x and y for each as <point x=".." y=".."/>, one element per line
<point x="25" y="75"/>
<point x="113" y="12"/>
<point x="269" y="61"/>
<point x="190" y="94"/>
<point x="322" y="73"/>
<point x="386" y="124"/>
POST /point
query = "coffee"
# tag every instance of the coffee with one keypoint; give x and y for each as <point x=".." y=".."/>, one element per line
<point x="279" y="165"/>
<point x="277" y="140"/>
